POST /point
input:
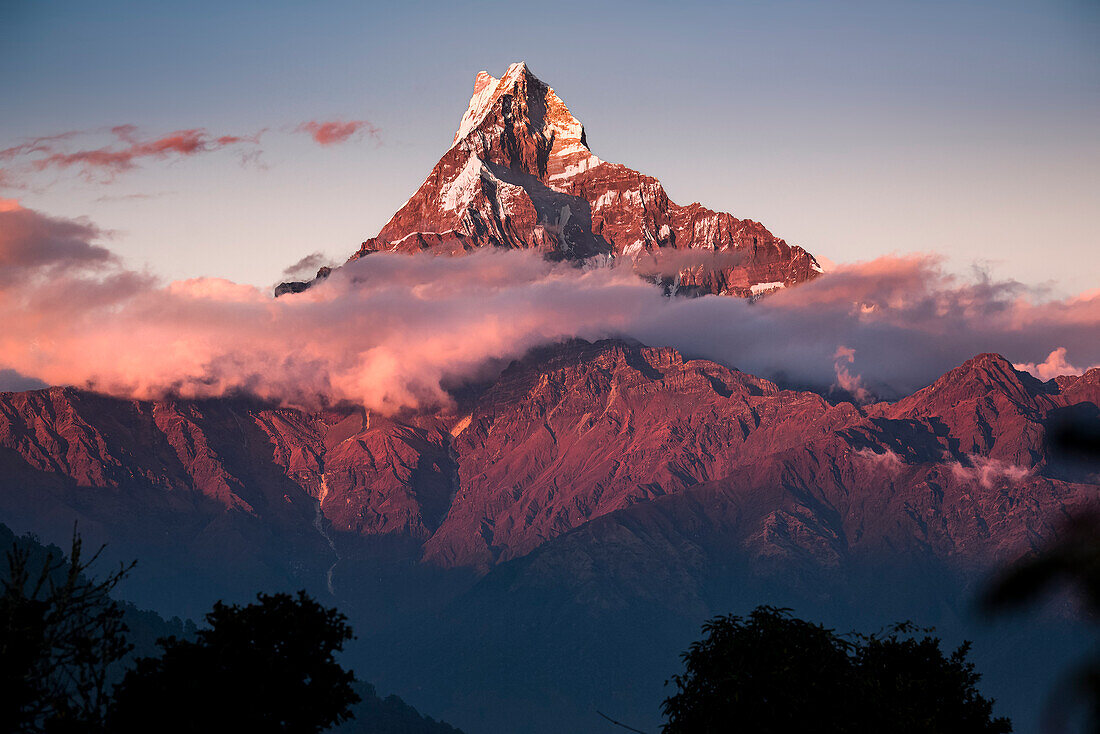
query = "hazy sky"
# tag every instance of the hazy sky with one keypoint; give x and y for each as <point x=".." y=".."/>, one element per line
<point x="853" y="129"/>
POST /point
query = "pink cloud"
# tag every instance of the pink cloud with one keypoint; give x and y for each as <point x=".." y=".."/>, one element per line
<point x="42" y="144"/>
<point x="1053" y="366"/>
<point x="105" y="162"/>
<point x="989" y="472"/>
<point x="888" y="459"/>
<point x="390" y="331"/>
<point x="113" y="160"/>
<point x="9" y="181"/>
<point x="336" y="131"/>
<point x="845" y="380"/>
<point x="34" y="245"/>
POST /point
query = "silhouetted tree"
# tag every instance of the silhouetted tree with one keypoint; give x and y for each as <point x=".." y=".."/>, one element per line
<point x="771" y="672"/>
<point x="266" y="667"/>
<point x="60" y="633"/>
<point x="908" y="686"/>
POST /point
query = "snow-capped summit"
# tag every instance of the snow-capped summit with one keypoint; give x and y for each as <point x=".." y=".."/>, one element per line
<point x="519" y="174"/>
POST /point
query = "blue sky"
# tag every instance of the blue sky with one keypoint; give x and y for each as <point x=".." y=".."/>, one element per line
<point x="851" y="128"/>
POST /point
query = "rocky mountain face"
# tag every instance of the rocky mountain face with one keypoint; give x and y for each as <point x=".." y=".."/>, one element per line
<point x="519" y="174"/>
<point x="567" y="435"/>
<point x="592" y="482"/>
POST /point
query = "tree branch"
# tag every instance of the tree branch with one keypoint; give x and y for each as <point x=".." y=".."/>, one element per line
<point x="619" y="723"/>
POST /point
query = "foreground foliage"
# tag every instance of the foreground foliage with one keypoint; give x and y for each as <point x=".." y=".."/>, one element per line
<point x="67" y="663"/>
<point x="60" y="634"/>
<point x="772" y="672"/>
<point x="269" y="666"/>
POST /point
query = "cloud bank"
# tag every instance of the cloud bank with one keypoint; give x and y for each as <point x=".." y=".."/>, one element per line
<point x="388" y="330"/>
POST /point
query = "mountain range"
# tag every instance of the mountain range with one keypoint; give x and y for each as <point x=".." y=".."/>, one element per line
<point x="547" y="541"/>
<point x="613" y="476"/>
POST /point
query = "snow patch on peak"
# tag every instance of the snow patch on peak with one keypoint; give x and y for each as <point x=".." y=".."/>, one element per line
<point x="581" y="166"/>
<point x="460" y="192"/>
<point x="759" y="288"/>
<point x="518" y="69"/>
<point x="485" y="91"/>
<point x="487" y="88"/>
<point x="607" y="198"/>
<point x="482" y="80"/>
<point x="566" y="131"/>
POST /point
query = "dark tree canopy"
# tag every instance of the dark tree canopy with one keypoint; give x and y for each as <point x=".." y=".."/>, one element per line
<point x="770" y="668"/>
<point x="771" y="672"/>
<point x="61" y="635"/>
<point x="269" y="666"/>
<point x="911" y="686"/>
<point x="65" y="644"/>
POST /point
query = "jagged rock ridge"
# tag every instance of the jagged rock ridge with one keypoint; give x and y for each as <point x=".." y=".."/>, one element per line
<point x="569" y="434"/>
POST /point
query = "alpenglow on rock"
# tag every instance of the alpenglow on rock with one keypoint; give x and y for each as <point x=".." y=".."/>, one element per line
<point x="519" y="174"/>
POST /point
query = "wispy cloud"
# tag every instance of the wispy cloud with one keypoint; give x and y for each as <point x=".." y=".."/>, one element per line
<point x="888" y="459"/>
<point x="94" y="160"/>
<point x="130" y="147"/>
<point x="12" y="381"/>
<point x="308" y="266"/>
<point x="989" y="472"/>
<point x="331" y="132"/>
<point x="137" y="196"/>
<point x="849" y="383"/>
<point x="42" y="144"/>
<point x="111" y="160"/>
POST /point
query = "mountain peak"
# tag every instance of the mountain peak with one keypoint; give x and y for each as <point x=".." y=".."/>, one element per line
<point x="981" y="378"/>
<point x="482" y="80"/>
<point x="532" y="105"/>
<point x="519" y="174"/>
<point x="518" y="69"/>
